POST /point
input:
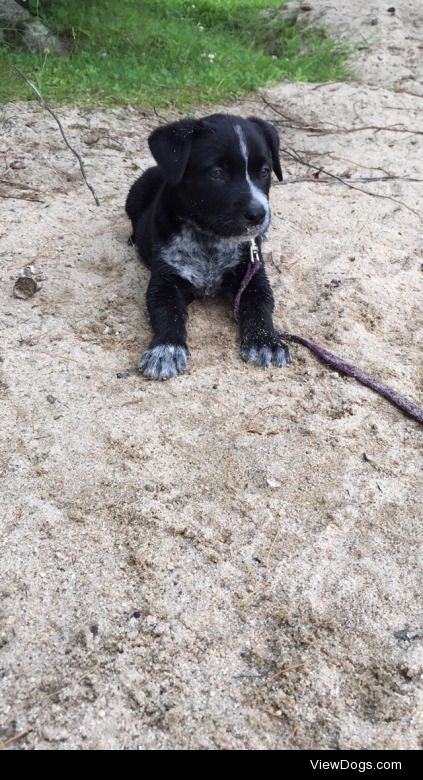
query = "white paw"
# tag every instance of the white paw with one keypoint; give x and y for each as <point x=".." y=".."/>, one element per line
<point x="164" y="361"/>
<point x="265" y="356"/>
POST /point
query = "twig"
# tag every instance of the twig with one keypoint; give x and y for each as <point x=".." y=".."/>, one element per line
<point x="19" y="184"/>
<point x="325" y="84"/>
<point x="287" y="118"/>
<point x="322" y="130"/>
<point x="159" y="116"/>
<point x="356" y="164"/>
<point x="176" y="445"/>
<point x="318" y="180"/>
<point x="350" y="186"/>
<point x="408" y="92"/>
<point x="10" y="741"/>
<point x="285" y="670"/>
<point x="21" y="197"/>
<point x="395" y="128"/>
<point x="403" y="108"/>
<point x="275" y="539"/>
<point x="50" y="111"/>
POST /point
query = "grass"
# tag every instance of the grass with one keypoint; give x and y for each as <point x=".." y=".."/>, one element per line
<point x="168" y="52"/>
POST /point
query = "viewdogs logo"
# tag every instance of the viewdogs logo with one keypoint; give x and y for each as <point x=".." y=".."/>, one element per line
<point x="361" y="766"/>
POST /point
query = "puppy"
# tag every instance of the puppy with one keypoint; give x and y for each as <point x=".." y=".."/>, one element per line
<point x="194" y="217"/>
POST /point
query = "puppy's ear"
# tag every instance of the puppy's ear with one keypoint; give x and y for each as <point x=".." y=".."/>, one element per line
<point x="272" y="138"/>
<point x="170" y="146"/>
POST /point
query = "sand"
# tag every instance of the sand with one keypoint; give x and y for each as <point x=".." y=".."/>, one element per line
<point x="231" y="559"/>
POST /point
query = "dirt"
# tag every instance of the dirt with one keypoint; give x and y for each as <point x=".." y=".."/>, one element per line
<point x="231" y="559"/>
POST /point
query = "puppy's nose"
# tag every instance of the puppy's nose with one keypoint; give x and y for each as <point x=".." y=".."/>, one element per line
<point x="254" y="213"/>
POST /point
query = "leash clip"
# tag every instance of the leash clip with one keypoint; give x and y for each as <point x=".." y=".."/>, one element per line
<point x="254" y="252"/>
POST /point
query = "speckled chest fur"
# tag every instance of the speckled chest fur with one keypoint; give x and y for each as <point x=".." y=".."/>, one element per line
<point x="201" y="259"/>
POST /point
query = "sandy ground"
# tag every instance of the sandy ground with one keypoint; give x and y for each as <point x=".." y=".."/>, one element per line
<point x="232" y="559"/>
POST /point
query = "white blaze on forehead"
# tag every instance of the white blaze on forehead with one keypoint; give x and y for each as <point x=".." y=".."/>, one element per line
<point x="256" y="194"/>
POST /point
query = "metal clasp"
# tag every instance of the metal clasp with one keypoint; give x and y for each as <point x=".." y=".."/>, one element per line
<point x="254" y="252"/>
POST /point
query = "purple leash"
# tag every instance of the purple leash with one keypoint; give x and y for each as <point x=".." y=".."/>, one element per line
<point x="406" y="406"/>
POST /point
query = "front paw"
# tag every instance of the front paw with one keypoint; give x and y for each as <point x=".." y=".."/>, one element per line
<point x="267" y="352"/>
<point x="164" y="361"/>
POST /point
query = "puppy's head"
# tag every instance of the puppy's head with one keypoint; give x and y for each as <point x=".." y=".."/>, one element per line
<point x="219" y="169"/>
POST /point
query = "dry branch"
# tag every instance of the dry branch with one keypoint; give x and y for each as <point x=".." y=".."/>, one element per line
<point x="15" y="738"/>
<point x="363" y="179"/>
<point x="20" y="197"/>
<point x="297" y="124"/>
<point x="319" y="169"/>
<point x="50" y="111"/>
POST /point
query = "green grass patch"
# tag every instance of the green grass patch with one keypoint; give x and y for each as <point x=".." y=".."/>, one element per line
<point x="168" y="52"/>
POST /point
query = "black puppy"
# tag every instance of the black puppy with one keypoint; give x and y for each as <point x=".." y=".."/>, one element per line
<point x="194" y="217"/>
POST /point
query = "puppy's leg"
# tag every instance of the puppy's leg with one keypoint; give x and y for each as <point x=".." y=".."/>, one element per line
<point x="167" y="354"/>
<point x="260" y="343"/>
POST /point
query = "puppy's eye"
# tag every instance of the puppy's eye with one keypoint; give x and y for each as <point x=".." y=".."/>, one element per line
<point x="216" y="173"/>
<point x="265" y="171"/>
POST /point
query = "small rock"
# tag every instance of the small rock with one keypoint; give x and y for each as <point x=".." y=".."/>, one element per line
<point x="38" y="38"/>
<point x="272" y="483"/>
<point x="125" y="374"/>
<point x="91" y="138"/>
<point x="25" y="287"/>
<point x="408" y="634"/>
<point x="12" y="14"/>
<point x="17" y="165"/>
